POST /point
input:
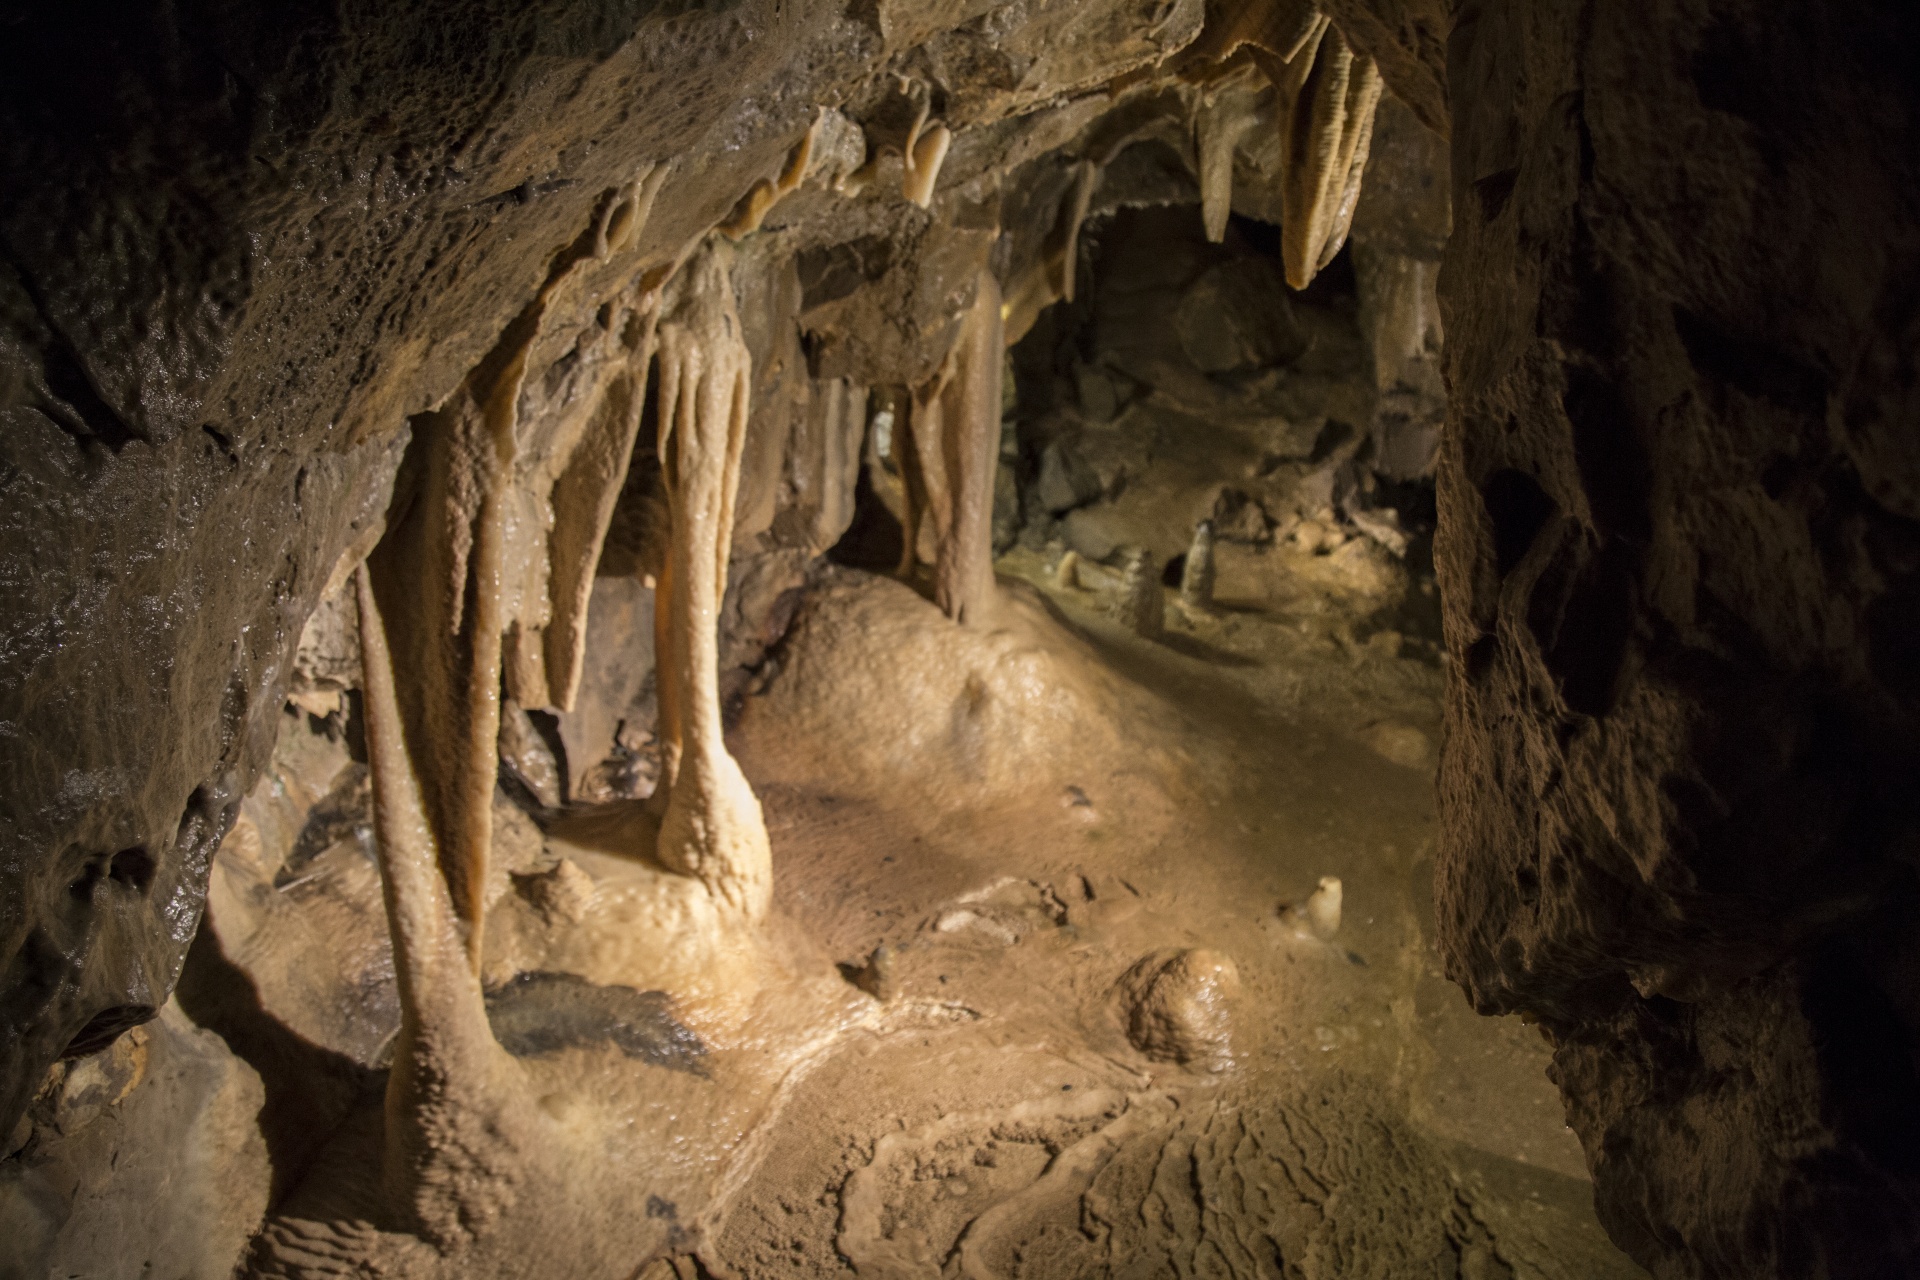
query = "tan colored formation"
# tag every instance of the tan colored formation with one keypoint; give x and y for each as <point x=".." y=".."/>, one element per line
<point x="454" y="1129"/>
<point x="1325" y="97"/>
<point x="767" y="192"/>
<point x="483" y="577"/>
<point x="949" y="460"/>
<point x="712" y="828"/>
<point x="486" y="566"/>
<point x="926" y="152"/>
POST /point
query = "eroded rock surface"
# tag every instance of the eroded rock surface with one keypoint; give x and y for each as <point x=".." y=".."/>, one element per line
<point x="1677" y="552"/>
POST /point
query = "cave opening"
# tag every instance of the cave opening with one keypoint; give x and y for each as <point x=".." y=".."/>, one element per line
<point x="1261" y="638"/>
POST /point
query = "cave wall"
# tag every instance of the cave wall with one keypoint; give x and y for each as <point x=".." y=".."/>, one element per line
<point x="1678" y="554"/>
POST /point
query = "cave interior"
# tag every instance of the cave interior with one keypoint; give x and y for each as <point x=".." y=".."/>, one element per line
<point x="764" y="639"/>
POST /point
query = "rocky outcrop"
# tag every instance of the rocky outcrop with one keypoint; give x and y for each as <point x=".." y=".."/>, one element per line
<point x="1677" y="548"/>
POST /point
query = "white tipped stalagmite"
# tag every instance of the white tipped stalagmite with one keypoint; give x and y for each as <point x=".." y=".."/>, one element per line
<point x="712" y="828"/>
<point x="1197" y="575"/>
<point x="1142" y="604"/>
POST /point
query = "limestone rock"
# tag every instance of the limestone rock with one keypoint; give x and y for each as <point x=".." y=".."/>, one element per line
<point x="1236" y="317"/>
<point x="1066" y="479"/>
<point x="1177" y="1006"/>
<point x="1238" y="517"/>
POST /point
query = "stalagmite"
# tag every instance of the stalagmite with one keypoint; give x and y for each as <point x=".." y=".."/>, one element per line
<point x="712" y="828"/>
<point x="453" y="1129"/>
<point x="949" y="461"/>
<point x="1142" y="605"/>
<point x="1196" y="576"/>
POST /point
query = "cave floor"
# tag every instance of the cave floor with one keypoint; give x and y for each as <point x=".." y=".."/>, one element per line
<point x="992" y="1118"/>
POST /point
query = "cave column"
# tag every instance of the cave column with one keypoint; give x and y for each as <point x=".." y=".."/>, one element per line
<point x="970" y="440"/>
<point x="712" y="828"/>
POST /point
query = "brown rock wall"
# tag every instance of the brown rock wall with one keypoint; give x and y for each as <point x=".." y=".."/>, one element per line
<point x="1679" y="567"/>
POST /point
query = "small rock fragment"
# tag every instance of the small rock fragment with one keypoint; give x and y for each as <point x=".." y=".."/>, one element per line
<point x="1402" y="744"/>
<point x="877" y="977"/>
<point x="1175" y="1005"/>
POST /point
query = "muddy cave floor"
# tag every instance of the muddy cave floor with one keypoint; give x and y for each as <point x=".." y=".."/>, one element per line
<point x="994" y="1119"/>
<point x="1018" y="813"/>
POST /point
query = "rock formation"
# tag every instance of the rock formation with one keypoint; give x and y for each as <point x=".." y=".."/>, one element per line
<point x="1672" y="508"/>
<point x="326" y="339"/>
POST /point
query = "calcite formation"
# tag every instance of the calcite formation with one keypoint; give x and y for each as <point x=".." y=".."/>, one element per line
<point x="360" y="366"/>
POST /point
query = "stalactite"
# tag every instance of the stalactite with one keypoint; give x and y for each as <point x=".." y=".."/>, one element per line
<point x="1052" y="278"/>
<point x="922" y="456"/>
<point x="583" y="500"/>
<point x="712" y="827"/>
<point x="926" y="151"/>
<point x="767" y="192"/>
<point x="836" y="419"/>
<point x="948" y="458"/>
<point x="489" y="556"/>
<point x="439" y="573"/>
<point x="1218" y="130"/>
<point x="1062" y="250"/>
<point x="1328" y="95"/>
<point x="970" y="435"/>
